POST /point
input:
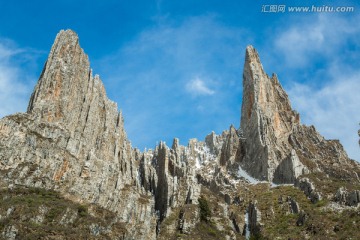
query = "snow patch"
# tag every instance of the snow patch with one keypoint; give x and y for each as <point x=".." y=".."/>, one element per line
<point x="274" y="185"/>
<point x="247" y="229"/>
<point x="197" y="163"/>
<point x="244" y="174"/>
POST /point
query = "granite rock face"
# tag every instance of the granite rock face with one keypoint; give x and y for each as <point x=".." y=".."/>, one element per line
<point x="72" y="140"/>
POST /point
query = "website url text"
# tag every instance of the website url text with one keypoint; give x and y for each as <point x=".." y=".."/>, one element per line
<point x="323" y="8"/>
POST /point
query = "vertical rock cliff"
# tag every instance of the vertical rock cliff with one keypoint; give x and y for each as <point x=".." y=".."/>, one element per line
<point x="266" y="119"/>
<point x="277" y="148"/>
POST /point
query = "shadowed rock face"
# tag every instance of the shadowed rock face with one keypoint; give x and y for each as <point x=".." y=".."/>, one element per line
<point x="72" y="140"/>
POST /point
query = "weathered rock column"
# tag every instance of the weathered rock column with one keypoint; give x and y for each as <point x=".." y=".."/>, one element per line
<point x="267" y="119"/>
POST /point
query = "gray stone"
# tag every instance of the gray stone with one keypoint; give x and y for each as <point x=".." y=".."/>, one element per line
<point x="341" y="195"/>
<point x="254" y="218"/>
<point x="227" y="199"/>
<point x="353" y="198"/>
<point x="294" y="206"/>
<point x="289" y="169"/>
<point x="188" y="218"/>
<point x="344" y="197"/>
<point x="308" y="188"/>
<point x="302" y="218"/>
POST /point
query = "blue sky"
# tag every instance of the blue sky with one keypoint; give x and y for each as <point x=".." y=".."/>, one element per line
<point x="175" y="67"/>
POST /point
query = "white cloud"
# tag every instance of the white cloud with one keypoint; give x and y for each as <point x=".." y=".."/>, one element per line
<point x="333" y="109"/>
<point x="198" y="87"/>
<point x="152" y="75"/>
<point x="15" y="83"/>
<point x="314" y="38"/>
<point x="318" y="57"/>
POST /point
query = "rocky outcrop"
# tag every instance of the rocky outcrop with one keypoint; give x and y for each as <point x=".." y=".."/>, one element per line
<point x="230" y="148"/>
<point x="288" y="204"/>
<point x="214" y="143"/>
<point x="35" y="213"/>
<point x="235" y="222"/>
<point x="162" y="191"/>
<point x="254" y="216"/>
<point x="321" y="155"/>
<point x="308" y="188"/>
<point x="293" y="205"/>
<point x="10" y="233"/>
<point x="289" y="169"/>
<point x="188" y="218"/>
<point x="302" y="218"/>
<point x="345" y="197"/>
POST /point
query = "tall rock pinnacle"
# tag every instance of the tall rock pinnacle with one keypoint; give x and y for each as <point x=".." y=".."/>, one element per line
<point x="61" y="89"/>
<point x="68" y="93"/>
<point x="267" y="119"/>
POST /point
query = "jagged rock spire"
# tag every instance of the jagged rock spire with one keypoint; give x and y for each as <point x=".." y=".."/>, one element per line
<point x="68" y="93"/>
<point x="61" y="89"/>
<point x="266" y="119"/>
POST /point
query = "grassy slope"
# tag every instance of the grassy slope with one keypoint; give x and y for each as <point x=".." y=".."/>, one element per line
<point x="44" y="214"/>
<point x="64" y="219"/>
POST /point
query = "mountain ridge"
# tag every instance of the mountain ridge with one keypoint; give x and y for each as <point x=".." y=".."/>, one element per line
<point x="72" y="140"/>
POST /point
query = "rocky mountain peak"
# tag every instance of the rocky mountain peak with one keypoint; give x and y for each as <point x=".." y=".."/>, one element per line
<point x="264" y="97"/>
<point x="272" y="131"/>
<point x="59" y="78"/>
<point x="72" y="141"/>
<point x="66" y="83"/>
<point x="67" y="93"/>
<point x="267" y="119"/>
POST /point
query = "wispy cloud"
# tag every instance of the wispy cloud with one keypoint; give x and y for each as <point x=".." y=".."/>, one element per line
<point x="197" y="86"/>
<point x="15" y="82"/>
<point x="333" y="109"/>
<point x="152" y="76"/>
<point x="317" y="61"/>
<point x="315" y="38"/>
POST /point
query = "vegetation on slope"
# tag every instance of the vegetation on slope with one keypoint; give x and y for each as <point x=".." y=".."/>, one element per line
<point x="322" y="220"/>
<point x="35" y="213"/>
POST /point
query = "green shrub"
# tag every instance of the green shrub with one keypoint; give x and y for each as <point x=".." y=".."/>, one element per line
<point x="54" y="212"/>
<point x="205" y="212"/>
<point x="321" y="203"/>
<point x="256" y="236"/>
<point x="82" y="210"/>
